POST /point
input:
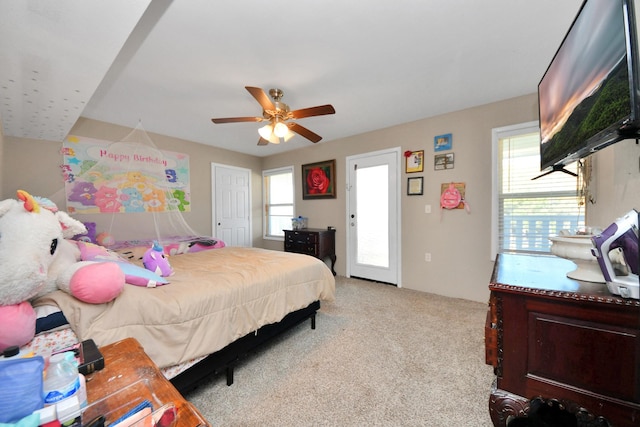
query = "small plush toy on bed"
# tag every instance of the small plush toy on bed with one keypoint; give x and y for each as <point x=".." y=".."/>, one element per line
<point x="155" y="260"/>
<point x="36" y="258"/>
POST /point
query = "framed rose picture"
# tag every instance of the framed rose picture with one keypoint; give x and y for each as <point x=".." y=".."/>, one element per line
<point x="318" y="180"/>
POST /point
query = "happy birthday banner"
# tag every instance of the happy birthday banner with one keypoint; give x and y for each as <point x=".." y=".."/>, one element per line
<point x="106" y="177"/>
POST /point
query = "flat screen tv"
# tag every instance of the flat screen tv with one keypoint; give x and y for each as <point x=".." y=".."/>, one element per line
<point x="588" y="97"/>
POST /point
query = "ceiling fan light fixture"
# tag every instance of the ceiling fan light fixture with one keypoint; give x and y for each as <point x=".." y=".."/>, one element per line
<point x="266" y="131"/>
<point x="289" y="135"/>
<point x="280" y="129"/>
<point x="277" y="113"/>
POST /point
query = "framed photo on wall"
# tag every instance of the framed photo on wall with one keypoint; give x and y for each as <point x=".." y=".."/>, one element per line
<point x="443" y="161"/>
<point x="319" y="180"/>
<point x="443" y="142"/>
<point x="414" y="161"/>
<point x="414" y="186"/>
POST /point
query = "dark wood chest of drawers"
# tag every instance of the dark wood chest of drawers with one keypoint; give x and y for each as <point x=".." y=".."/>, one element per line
<point x="560" y="339"/>
<point x="317" y="242"/>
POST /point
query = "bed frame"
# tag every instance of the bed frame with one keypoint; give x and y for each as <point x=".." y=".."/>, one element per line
<point x="227" y="358"/>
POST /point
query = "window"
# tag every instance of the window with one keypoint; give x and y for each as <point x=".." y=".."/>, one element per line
<point x="527" y="211"/>
<point x="278" y="197"/>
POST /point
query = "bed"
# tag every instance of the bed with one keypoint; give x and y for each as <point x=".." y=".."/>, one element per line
<point x="219" y="305"/>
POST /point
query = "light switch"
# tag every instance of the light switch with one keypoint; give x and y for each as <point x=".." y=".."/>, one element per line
<point x="427" y="209"/>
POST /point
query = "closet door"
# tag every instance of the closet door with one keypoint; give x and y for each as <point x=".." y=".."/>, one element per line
<point x="231" y="204"/>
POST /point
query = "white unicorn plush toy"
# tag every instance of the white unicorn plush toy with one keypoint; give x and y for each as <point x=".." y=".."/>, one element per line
<point x="36" y="258"/>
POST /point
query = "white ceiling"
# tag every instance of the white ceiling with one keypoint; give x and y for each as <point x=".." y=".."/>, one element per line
<point x="173" y="65"/>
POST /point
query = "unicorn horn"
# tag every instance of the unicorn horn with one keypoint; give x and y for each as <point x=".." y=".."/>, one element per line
<point x="30" y="203"/>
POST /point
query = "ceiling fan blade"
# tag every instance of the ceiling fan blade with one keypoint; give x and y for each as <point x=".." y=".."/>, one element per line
<point x="262" y="141"/>
<point x="237" y="119"/>
<point x="320" y="110"/>
<point x="261" y="97"/>
<point x="303" y="131"/>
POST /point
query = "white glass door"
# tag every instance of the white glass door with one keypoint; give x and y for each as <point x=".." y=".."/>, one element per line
<point x="372" y="217"/>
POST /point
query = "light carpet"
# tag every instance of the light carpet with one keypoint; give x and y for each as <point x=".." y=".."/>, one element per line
<point x="379" y="356"/>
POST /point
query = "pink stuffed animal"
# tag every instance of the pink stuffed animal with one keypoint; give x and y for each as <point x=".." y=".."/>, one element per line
<point x="36" y="259"/>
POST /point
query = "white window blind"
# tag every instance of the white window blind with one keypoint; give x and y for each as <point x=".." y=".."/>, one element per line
<point x="529" y="211"/>
<point x="278" y="196"/>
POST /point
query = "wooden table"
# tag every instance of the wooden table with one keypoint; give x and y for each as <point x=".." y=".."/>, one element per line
<point x="560" y="339"/>
<point x="129" y="377"/>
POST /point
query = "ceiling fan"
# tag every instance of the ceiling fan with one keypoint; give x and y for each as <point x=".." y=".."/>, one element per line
<point x="278" y="114"/>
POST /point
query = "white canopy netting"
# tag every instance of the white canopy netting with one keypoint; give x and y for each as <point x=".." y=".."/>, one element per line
<point x="133" y="192"/>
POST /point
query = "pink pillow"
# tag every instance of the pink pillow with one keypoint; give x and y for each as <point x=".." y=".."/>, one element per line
<point x="134" y="275"/>
<point x="18" y="324"/>
<point x="94" y="283"/>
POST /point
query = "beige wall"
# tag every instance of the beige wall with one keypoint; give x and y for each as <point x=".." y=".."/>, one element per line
<point x="33" y="165"/>
<point x="617" y="183"/>
<point x="459" y="242"/>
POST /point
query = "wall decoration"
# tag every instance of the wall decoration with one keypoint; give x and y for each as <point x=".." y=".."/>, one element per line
<point x="442" y="142"/>
<point x="121" y="177"/>
<point x="452" y="195"/>
<point x="414" y="161"/>
<point x="443" y="161"/>
<point x="319" y="180"/>
<point x="414" y="186"/>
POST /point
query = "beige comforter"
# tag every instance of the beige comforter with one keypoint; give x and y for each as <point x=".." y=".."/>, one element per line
<point x="214" y="298"/>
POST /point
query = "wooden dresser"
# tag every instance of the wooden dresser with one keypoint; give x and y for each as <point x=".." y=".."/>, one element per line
<point x="317" y="242"/>
<point x="562" y="340"/>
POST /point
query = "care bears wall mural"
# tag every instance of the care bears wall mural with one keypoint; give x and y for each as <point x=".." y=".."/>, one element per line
<point x="122" y="177"/>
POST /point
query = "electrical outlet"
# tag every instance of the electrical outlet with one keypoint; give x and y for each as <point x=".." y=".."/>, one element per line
<point x="427" y="256"/>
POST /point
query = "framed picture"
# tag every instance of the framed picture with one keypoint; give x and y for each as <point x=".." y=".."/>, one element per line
<point x="443" y="161"/>
<point x="415" y="161"/>
<point x="414" y="186"/>
<point x="319" y="180"/>
<point x="442" y="142"/>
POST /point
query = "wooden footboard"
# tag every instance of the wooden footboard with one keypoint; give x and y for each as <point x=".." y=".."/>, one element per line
<point x="226" y="358"/>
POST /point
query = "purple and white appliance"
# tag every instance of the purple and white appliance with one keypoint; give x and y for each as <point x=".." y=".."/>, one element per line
<point x="622" y="237"/>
